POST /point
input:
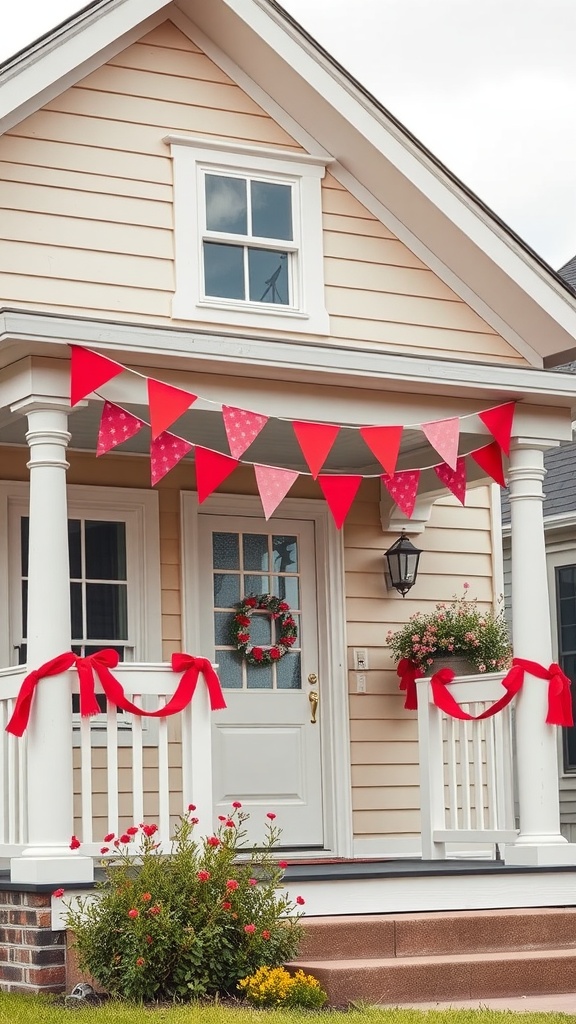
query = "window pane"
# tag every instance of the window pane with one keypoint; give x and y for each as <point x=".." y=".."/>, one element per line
<point x="285" y="554"/>
<point x="288" y="674"/>
<point x="76" y="611"/>
<point x="268" y="273"/>
<point x="24" y="532"/>
<point x="222" y="628"/>
<point x="259" y="677"/>
<point x="255" y="550"/>
<point x="568" y="639"/>
<point x="287" y="589"/>
<point x="229" y="669"/>
<point x="226" y="589"/>
<point x="75" y="548"/>
<point x="272" y="210"/>
<point x="225" y="551"/>
<point x="224" y="271"/>
<point x="106" y="612"/>
<point x="566" y="576"/>
<point x="260" y="629"/>
<point x="24" y="608"/>
<point x="226" y="207"/>
<point x="256" y="584"/>
<point x="105" y="550"/>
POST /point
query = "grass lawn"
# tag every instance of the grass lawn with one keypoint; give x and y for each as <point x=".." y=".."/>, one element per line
<point x="29" y="1010"/>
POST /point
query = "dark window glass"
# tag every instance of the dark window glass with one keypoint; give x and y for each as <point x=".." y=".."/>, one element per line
<point x="226" y="205"/>
<point x="105" y="550"/>
<point x="224" y="271"/>
<point x="76" y="611"/>
<point x="225" y="550"/>
<point x="268" y="272"/>
<point x="271" y="210"/>
<point x="106" y="612"/>
<point x="24" y="538"/>
<point x="75" y="548"/>
<point x="566" y="615"/>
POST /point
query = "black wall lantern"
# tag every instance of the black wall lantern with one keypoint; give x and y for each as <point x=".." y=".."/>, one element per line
<point x="402" y="559"/>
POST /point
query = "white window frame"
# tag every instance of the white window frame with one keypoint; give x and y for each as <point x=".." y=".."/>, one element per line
<point x="139" y="510"/>
<point x="192" y="158"/>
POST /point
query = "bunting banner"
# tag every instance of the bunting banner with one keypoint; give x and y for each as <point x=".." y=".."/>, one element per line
<point x="499" y="422"/>
<point x="489" y="459"/>
<point x="273" y="486"/>
<point x="384" y="443"/>
<point x="167" y="404"/>
<point x="166" y="451"/>
<point x="315" y="440"/>
<point x="454" y="479"/>
<point x="116" y="426"/>
<point x="212" y="468"/>
<point x="242" y="428"/>
<point x="88" y="372"/>
<point x="444" y="435"/>
<point x="403" y="488"/>
<point x="339" y="492"/>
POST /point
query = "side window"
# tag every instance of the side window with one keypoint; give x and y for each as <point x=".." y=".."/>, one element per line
<point x="565" y="577"/>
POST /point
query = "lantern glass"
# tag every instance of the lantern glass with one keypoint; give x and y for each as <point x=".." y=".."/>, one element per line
<point x="403" y="559"/>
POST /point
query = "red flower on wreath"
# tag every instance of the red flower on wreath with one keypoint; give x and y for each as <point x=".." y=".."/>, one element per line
<point x="257" y="653"/>
<point x="285" y="628"/>
<point x="252" y="602"/>
<point x="242" y="620"/>
<point x="243" y="637"/>
<point x="274" y="653"/>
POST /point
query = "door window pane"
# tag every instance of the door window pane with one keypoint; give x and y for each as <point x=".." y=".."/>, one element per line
<point x="268" y="276"/>
<point x="226" y="205"/>
<point x="224" y="270"/>
<point x="285" y="551"/>
<point x="229" y="669"/>
<point x="255" y="551"/>
<point x="226" y="550"/>
<point x="222" y="627"/>
<point x="226" y="590"/>
<point x="259" y="677"/>
<point x="256" y="584"/>
<point x="271" y="210"/>
<point x="260" y="630"/>
<point x="289" y="673"/>
<point x="287" y="589"/>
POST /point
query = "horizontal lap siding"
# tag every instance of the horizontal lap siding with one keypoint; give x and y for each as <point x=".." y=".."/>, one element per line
<point x="87" y="217"/>
<point x="384" y="749"/>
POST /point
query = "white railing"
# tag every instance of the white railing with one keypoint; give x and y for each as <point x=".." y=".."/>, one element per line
<point x="127" y="769"/>
<point x="466" y="768"/>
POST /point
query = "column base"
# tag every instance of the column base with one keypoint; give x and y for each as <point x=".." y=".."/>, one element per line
<point x="55" y="868"/>
<point x="552" y="855"/>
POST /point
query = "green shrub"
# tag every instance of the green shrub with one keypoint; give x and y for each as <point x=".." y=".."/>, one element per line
<point x="275" y="986"/>
<point x="189" y="923"/>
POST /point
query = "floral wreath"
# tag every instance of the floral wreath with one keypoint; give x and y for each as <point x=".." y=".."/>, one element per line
<point x="286" y="626"/>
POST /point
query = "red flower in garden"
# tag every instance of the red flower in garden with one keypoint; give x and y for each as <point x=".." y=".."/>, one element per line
<point x="282" y="864"/>
<point x="125" y="838"/>
<point x="132" y="831"/>
<point x="203" y="876"/>
<point x="74" y="843"/>
<point x="149" y="940"/>
<point x="140" y="961"/>
<point x="236" y="803"/>
<point x="226" y="905"/>
<point x="231" y="884"/>
<point x="109" y="837"/>
<point x="146" y="897"/>
<point x="242" y="620"/>
<point x="252" y="881"/>
<point x="249" y="928"/>
<point x="194" y="821"/>
<point x="271" y="815"/>
<point x="104" y="849"/>
<point x="156" y="909"/>
<point x="221" y="817"/>
<point x="229" y="823"/>
<point x="149" y="830"/>
<point x="300" y="901"/>
<point x="274" y="653"/>
<point x="58" y="893"/>
<point x="191" y="807"/>
<point x="133" y="912"/>
<point x="265" y="934"/>
<point x="213" y="841"/>
<point x="257" y="653"/>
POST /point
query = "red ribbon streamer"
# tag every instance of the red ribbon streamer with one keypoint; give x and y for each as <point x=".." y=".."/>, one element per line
<point x="559" y="690"/>
<point x="101" y="663"/>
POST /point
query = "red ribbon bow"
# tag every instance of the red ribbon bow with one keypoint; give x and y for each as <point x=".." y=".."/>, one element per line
<point x="21" y="714"/>
<point x="444" y="700"/>
<point x="409" y="672"/>
<point x="559" y="690"/>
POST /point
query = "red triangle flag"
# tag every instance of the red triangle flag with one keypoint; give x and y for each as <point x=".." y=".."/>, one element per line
<point x="116" y="426"/>
<point x="455" y="479"/>
<point x="499" y="421"/>
<point x="443" y="435"/>
<point x="315" y="440"/>
<point x="273" y="486"/>
<point x="489" y="459"/>
<point x="403" y="488"/>
<point x="212" y="468"/>
<point x="384" y="443"/>
<point x="88" y="372"/>
<point x="167" y="404"/>
<point x="166" y="452"/>
<point x="242" y="428"/>
<point x="339" y="492"/>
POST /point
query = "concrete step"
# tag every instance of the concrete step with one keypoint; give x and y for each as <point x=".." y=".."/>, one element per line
<point x="393" y="980"/>
<point x="412" y="935"/>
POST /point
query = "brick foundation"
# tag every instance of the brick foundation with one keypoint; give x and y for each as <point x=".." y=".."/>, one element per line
<point x="32" y="956"/>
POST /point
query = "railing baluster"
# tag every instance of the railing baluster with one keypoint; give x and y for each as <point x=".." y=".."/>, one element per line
<point x="478" y="774"/>
<point x="13" y="786"/>
<point x="492" y="780"/>
<point x="163" y="778"/>
<point x="86" y="779"/>
<point x="137" y="769"/>
<point x="112" y="767"/>
<point x="452" y="772"/>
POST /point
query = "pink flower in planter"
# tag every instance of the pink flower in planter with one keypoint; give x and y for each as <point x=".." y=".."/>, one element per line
<point x="104" y="849"/>
<point x="271" y="815"/>
<point x="132" y="831"/>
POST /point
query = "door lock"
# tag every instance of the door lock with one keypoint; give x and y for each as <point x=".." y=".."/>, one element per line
<point x="312" y="679"/>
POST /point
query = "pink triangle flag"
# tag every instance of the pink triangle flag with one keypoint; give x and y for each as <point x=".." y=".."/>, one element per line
<point x="116" y="426"/>
<point x="315" y="440"/>
<point x="403" y="488"/>
<point x="242" y="428"/>
<point x="339" y="492"/>
<point x="454" y="479"/>
<point x="212" y="468"/>
<point x="444" y="435"/>
<point x="166" y="451"/>
<point x="499" y="421"/>
<point x="273" y="486"/>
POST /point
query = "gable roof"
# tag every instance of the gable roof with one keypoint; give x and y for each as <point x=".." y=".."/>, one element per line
<point x="386" y="167"/>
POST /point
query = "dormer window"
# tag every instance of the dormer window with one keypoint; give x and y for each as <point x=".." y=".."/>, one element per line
<point x="248" y="229"/>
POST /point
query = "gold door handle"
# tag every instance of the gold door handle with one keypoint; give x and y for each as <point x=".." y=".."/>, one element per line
<point x="313" y="698"/>
<point x="312" y="679"/>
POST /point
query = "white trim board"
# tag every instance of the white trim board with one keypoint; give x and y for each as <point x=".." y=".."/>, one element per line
<point x="330" y="596"/>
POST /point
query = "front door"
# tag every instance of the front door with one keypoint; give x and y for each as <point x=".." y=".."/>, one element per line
<point x="266" y="748"/>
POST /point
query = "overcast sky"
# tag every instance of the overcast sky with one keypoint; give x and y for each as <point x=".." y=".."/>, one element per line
<point x="488" y="85"/>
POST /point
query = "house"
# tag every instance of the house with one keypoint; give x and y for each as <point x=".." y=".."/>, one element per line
<point x="194" y="194"/>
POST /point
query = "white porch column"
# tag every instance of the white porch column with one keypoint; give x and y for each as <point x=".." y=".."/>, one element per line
<point x="539" y="841"/>
<point x="48" y="738"/>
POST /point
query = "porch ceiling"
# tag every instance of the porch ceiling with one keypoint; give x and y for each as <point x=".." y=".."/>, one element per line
<point x="276" y="445"/>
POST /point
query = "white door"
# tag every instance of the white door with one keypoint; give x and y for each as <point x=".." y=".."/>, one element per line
<point x="266" y="749"/>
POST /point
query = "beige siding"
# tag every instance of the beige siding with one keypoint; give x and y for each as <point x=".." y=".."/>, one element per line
<point x="87" y="209"/>
<point x="384" y="749"/>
